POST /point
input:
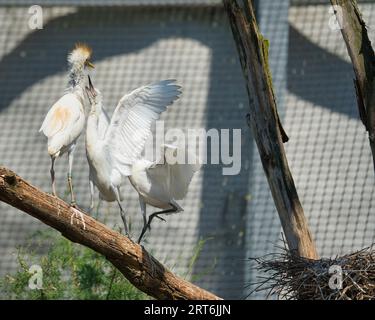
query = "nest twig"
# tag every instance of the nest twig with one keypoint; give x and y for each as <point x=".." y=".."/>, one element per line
<point x="289" y="276"/>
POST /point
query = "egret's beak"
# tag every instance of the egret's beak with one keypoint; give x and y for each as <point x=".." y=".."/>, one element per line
<point x="91" y="86"/>
<point x="89" y="64"/>
<point x="90" y="90"/>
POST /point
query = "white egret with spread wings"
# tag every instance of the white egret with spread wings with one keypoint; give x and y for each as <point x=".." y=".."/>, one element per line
<point x="114" y="150"/>
<point x="114" y="145"/>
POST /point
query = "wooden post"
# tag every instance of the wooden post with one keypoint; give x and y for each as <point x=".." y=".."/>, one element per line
<point x="266" y="127"/>
<point x="361" y="53"/>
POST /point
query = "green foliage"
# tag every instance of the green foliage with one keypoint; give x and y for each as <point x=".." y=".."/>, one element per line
<point x="70" y="271"/>
<point x="197" y="250"/>
<point x="75" y="272"/>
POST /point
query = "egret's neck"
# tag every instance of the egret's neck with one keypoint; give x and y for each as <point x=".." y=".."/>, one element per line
<point x="77" y="77"/>
<point x="96" y="109"/>
<point x="92" y="129"/>
<point x="79" y="91"/>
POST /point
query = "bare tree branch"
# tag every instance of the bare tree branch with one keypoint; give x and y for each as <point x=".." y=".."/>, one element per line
<point x="360" y="50"/>
<point x="266" y="127"/>
<point x="131" y="259"/>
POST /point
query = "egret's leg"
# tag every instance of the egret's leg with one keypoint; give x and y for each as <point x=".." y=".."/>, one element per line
<point x="122" y="212"/>
<point x="142" y="204"/>
<point x="52" y="171"/>
<point x="97" y="209"/>
<point x="91" y="195"/>
<point x="156" y="214"/>
<point x="70" y="182"/>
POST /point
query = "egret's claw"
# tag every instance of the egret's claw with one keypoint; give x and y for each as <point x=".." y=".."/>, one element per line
<point x="160" y="218"/>
<point x="75" y="206"/>
<point x="77" y="214"/>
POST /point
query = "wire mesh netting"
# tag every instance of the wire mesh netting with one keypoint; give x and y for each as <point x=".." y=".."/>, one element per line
<point x="330" y="157"/>
<point x="328" y="149"/>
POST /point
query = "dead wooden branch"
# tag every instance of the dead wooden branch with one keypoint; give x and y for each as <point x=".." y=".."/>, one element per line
<point x="266" y="127"/>
<point x="361" y="53"/>
<point x="131" y="259"/>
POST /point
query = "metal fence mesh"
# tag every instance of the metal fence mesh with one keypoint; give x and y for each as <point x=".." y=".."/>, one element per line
<point x="328" y="150"/>
<point x="330" y="156"/>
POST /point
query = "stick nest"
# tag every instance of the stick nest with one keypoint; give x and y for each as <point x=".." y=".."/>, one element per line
<point x="290" y="277"/>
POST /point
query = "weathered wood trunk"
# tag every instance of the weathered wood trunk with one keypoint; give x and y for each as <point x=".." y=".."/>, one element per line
<point x="361" y="53"/>
<point x="266" y="127"/>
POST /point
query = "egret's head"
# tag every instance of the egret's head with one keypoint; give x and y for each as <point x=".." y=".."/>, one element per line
<point x="94" y="95"/>
<point x="80" y="56"/>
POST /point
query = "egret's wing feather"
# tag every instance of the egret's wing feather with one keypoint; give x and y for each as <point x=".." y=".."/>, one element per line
<point x="131" y="122"/>
<point x="63" y="124"/>
<point x="64" y="113"/>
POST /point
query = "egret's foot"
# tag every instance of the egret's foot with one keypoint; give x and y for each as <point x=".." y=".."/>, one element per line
<point x="160" y="218"/>
<point x="125" y="233"/>
<point x="148" y="225"/>
<point x="75" y="206"/>
<point x="152" y="216"/>
<point x="142" y="233"/>
<point x="78" y="215"/>
<point x="144" y="229"/>
<point x="139" y="239"/>
<point x="157" y="215"/>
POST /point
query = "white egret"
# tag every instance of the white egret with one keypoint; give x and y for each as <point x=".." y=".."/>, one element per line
<point x="113" y="147"/>
<point x="65" y="121"/>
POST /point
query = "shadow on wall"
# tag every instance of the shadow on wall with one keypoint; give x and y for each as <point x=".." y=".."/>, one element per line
<point x="318" y="76"/>
<point x="223" y="211"/>
<point x="105" y="39"/>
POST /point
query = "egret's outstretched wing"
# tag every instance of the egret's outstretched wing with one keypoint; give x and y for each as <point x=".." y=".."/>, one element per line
<point x="131" y="122"/>
<point x="175" y="171"/>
